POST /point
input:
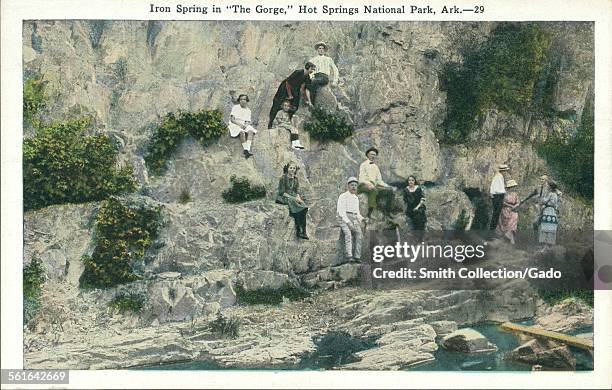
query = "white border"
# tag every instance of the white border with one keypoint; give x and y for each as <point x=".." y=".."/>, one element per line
<point x="14" y="12"/>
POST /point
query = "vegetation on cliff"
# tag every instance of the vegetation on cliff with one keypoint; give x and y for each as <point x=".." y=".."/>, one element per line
<point x="242" y="190"/>
<point x="325" y="126"/>
<point x="62" y="164"/>
<point x="123" y="233"/>
<point x="33" y="279"/>
<point x="570" y="157"/>
<point x="204" y="126"/>
<point x="506" y="72"/>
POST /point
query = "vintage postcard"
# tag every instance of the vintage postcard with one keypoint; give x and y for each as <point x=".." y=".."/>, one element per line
<point x="353" y="194"/>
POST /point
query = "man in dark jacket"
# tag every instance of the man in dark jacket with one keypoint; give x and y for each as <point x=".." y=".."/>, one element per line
<point x="290" y="89"/>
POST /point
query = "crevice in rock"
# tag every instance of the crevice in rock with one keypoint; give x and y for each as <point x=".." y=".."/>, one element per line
<point x="153" y="29"/>
<point x="96" y="29"/>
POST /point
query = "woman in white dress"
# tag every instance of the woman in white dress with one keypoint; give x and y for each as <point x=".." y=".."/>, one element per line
<point x="240" y="124"/>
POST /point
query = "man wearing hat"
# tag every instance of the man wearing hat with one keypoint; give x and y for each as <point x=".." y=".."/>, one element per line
<point x="497" y="191"/>
<point x="371" y="182"/>
<point x="349" y="218"/>
<point x="326" y="70"/>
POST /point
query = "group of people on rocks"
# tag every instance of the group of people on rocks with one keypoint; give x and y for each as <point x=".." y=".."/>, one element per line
<point x="348" y="215"/>
<point x="320" y="71"/>
<point x="504" y="218"/>
<point x="317" y="73"/>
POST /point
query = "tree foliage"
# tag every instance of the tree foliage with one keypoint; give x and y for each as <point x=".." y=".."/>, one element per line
<point x="325" y="126"/>
<point x="505" y="72"/>
<point x="204" y="126"/>
<point x="61" y="164"/>
<point x="122" y="233"/>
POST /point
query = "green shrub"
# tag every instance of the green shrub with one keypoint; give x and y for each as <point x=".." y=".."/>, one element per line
<point x="184" y="197"/>
<point x="242" y="190"/>
<point x="553" y="297"/>
<point x="508" y="72"/>
<point x="63" y="165"/>
<point x="122" y="233"/>
<point x="33" y="279"/>
<point x="34" y="98"/>
<point x="462" y="221"/>
<point x="229" y="328"/>
<point x="204" y="126"/>
<point x="269" y="296"/>
<point x="571" y="157"/>
<point x="127" y="302"/>
<point x="324" y="126"/>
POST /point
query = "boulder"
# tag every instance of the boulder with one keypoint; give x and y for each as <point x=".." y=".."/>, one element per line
<point x="467" y="340"/>
<point x="546" y="353"/>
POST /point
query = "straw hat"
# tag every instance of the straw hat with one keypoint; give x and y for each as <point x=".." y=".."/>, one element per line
<point x="511" y="183"/>
<point x="503" y="167"/>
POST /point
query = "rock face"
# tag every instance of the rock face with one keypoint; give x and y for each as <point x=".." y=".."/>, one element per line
<point x="127" y="74"/>
<point x="467" y="340"/>
<point x="548" y="354"/>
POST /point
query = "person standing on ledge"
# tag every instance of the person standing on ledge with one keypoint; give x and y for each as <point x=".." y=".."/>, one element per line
<point x="508" y="217"/>
<point x="349" y="218"/>
<point x="292" y="88"/>
<point x="497" y="191"/>
<point x="240" y="124"/>
<point x="371" y="182"/>
<point x="326" y="70"/>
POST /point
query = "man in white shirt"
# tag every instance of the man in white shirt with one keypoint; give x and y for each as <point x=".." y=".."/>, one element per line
<point x="326" y="70"/>
<point x="240" y="124"/>
<point x="371" y="182"/>
<point x="497" y="191"/>
<point x="349" y="218"/>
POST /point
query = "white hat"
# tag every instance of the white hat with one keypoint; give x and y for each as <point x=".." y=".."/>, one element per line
<point x="351" y="180"/>
<point x="320" y="43"/>
<point x="503" y="167"/>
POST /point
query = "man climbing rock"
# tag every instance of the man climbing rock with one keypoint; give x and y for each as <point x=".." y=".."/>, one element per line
<point x="371" y="182"/>
<point x="326" y="70"/>
<point x="292" y="88"/>
<point x="349" y="218"/>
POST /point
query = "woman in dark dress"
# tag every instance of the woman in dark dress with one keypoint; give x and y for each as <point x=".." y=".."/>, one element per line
<point x="288" y="194"/>
<point x="415" y="207"/>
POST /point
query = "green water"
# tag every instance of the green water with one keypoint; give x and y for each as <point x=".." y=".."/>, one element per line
<point x="494" y="361"/>
<point x="333" y="352"/>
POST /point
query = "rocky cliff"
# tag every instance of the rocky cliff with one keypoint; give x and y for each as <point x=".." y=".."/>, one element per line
<point x="127" y="74"/>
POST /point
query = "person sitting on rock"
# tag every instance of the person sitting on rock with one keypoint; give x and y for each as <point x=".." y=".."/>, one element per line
<point x="371" y="183"/>
<point x="292" y="88"/>
<point x="283" y="120"/>
<point x="349" y="218"/>
<point x="240" y="124"/>
<point x="326" y="70"/>
<point x="288" y="194"/>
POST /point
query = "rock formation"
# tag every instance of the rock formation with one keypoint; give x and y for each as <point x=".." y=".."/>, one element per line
<point x="127" y="74"/>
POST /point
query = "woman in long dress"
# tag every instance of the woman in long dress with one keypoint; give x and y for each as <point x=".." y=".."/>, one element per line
<point x="547" y="231"/>
<point x="414" y="198"/>
<point x="288" y="194"/>
<point x="507" y="224"/>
